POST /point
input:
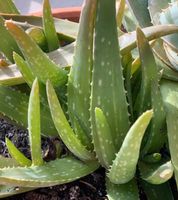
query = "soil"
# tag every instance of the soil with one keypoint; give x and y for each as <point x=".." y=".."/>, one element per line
<point x="91" y="187"/>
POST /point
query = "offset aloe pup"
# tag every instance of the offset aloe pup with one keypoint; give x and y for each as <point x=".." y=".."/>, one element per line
<point x="103" y="100"/>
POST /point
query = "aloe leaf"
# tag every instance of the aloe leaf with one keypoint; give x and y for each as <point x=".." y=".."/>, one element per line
<point x="41" y="65"/>
<point x="7" y="162"/>
<point x="157" y="173"/>
<point x="68" y="32"/>
<point x="17" y="155"/>
<point x="14" y="105"/>
<point x="127" y="191"/>
<point x="155" y="192"/>
<point x="65" y="131"/>
<point x="52" y="173"/>
<point x="142" y="16"/>
<point x="120" y="12"/>
<point x="124" y="166"/>
<point x="10" y="75"/>
<point x="7" y="42"/>
<point x="79" y="88"/>
<point x="7" y="191"/>
<point x="169" y="92"/>
<point x="155" y="8"/>
<point x="24" y="69"/>
<point x="48" y="26"/>
<point x="128" y="41"/>
<point x="169" y="16"/>
<point x="104" y="143"/>
<point x="8" y="6"/>
<point x="34" y="125"/>
<point x="149" y="73"/>
<point x="152" y="158"/>
<point x="172" y="56"/>
<point x="108" y="92"/>
<point x="129" y="21"/>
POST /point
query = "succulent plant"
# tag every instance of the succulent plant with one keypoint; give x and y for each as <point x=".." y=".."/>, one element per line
<point x="107" y="107"/>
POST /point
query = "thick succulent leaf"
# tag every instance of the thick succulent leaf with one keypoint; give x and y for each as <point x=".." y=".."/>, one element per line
<point x="8" y="6"/>
<point x="10" y="75"/>
<point x="172" y="56"/>
<point x="62" y="125"/>
<point x="14" y="105"/>
<point x="127" y="191"/>
<point x="155" y="192"/>
<point x="152" y="158"/>
<point x="41" y="65"/>
<point x="8" y="162"/>
<point x="124" y="166"/>
<point x="34" y="127"/>
<point x="169" y="92"/>
<point x="52" y="173"/>
<point x="7" y="191"/>
<point x="120" y="12"/>
<point x="80" y="74"/>
<point x="7" y="42"/>
<point x="49" y="27"/>
<point x="129" y="21"/>
<point x="142" y="16"/>
<point x="24" y="69"/>
<point x="157" y="173"/>
<point x="155" y="8"/>
<point x="163" y="61"/>
<point x="68" y="32"/>
<point x="128" y="40"/>
<point x="149" y="73"/>
<point x="108" y="92"/>
<point x="17" y="155"/>
<point x="170" y="16"/>
<point x="104" y="148"/>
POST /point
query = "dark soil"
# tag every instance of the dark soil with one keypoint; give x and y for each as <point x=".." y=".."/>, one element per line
<point x="91" y="187"/>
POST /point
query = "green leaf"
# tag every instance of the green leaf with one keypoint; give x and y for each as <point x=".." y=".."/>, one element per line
<point x="156" y="173"/>
<point x="104" y="143"/>
<point x="34" y="125"/>
<point x="152" y="158"/>
<point x="120" y="12"/>
<point x="149" y="73"/>
<point x="52" y="173"/>
<point x="79" y="88"/>
<point x="17" y="155"/>
<point x="41" y="65"/>
<point x="155" y="8"/>
<point x="49" y="28"/>
<point x="14" y="105"/>
<point x="10" y="75"/>
<point x="169" y="16"/>
<point x="127" y="191"/>
<point x="108" y="92"/>
<point x="8" y="6"/>
<point x="142" y="16"/>
<point x="24" y="69"/>
<point x="169" y="92"/>
<point x="67" y="33"/>
<point x="7" y="191"/>
<point x="155" y="192"/>
<point x="127" y="41"/>
<point x="8" y="162"/>
<point x="124" y="166"/>
<point x="65" y="131"/>
<point x="7" y="43"/>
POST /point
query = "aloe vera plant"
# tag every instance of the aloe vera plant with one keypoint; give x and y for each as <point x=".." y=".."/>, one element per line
<point x="107" y="107"/>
